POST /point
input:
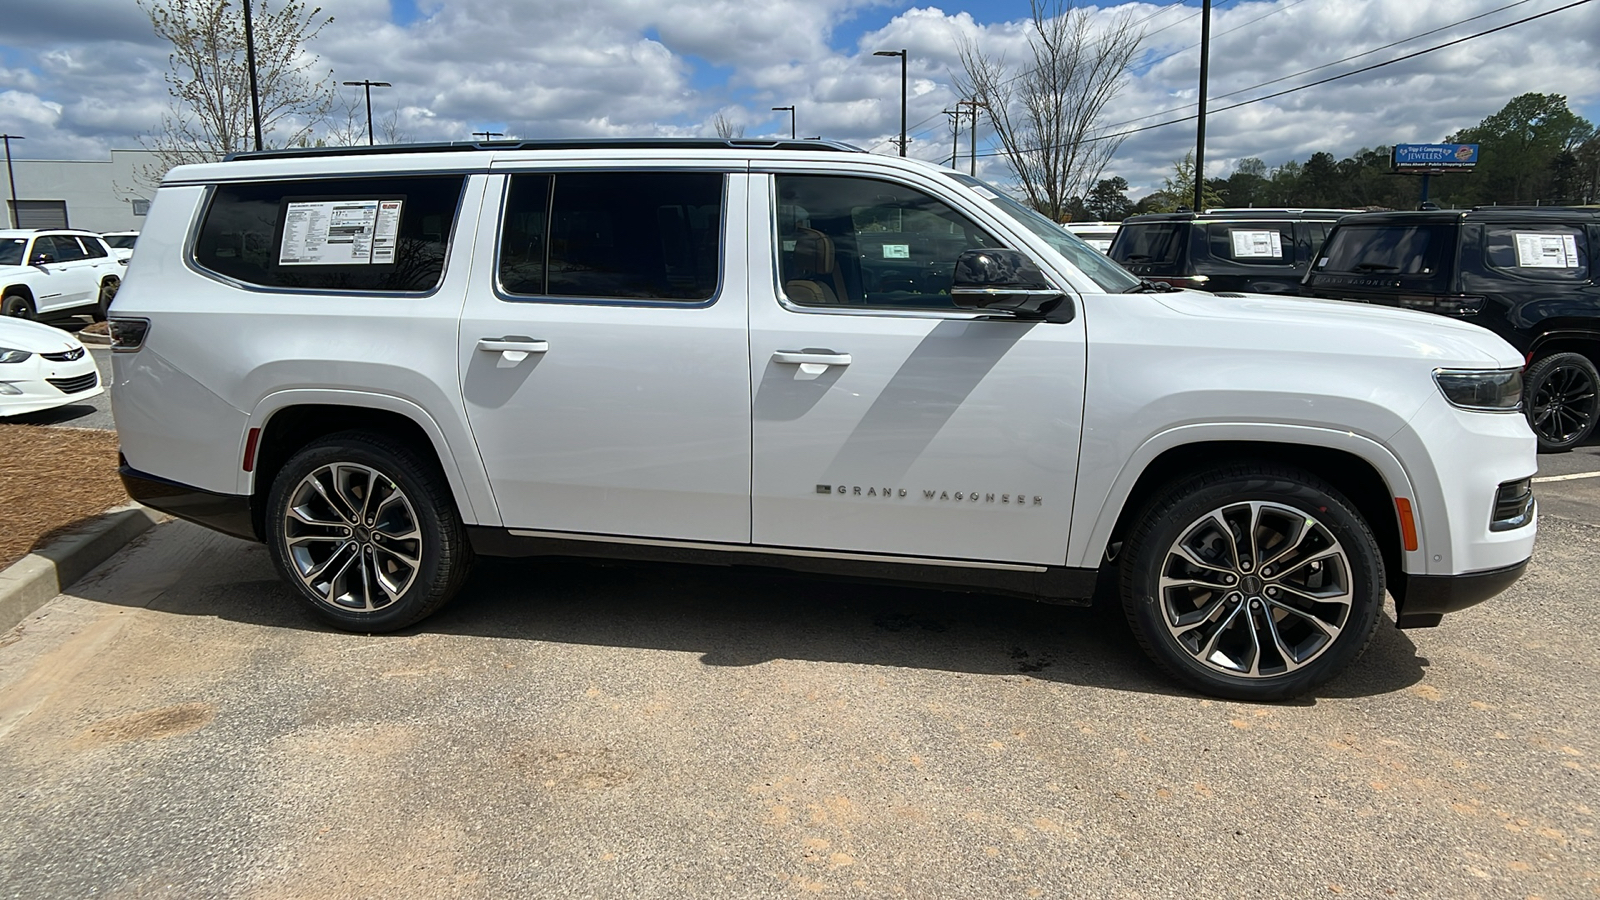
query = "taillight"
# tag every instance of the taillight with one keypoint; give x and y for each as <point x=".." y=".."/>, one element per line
<point x="127" y="335"/>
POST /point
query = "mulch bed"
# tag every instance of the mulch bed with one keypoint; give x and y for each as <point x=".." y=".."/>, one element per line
<point x="53" y="480"/>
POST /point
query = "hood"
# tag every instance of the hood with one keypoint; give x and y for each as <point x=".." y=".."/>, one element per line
<point x="1336" y="324"/>
<point x="21" y="334"/>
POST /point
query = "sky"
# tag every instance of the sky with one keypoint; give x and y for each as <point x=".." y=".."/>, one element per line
<point x="81" y="77"/>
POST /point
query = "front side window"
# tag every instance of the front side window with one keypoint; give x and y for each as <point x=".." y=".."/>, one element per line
<point x="359" y="234"/>
<point x="846" y="241"/>
<point x="63" y="247"/>
<point x="1537" y="252"/>
<point x="613" y="235"/>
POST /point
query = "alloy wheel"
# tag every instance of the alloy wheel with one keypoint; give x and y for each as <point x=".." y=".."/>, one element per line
<point x="352" y="536"/>
<point x="1255" y="589"/>
<point x="1564" y="404"/>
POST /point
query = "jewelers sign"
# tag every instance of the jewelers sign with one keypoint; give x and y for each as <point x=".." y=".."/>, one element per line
<point x="1427" y="158"/>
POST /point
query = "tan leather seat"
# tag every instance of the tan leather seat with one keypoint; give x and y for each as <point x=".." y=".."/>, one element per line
<point x="814" y="279"/>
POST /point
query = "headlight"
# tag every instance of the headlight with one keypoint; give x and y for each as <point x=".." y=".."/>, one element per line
<point x="7" y="355"/>
<point x="1495" y="390"/>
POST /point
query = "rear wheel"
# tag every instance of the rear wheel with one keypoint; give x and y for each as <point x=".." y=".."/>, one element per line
<point x="1252" y="582"/>
<point x="366" y="531"/>
<point x="17" y="307"/>
<point x="1563" y="400"/>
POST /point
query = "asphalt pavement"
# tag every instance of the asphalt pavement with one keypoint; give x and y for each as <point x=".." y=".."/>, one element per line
<point x="177" y="726"/>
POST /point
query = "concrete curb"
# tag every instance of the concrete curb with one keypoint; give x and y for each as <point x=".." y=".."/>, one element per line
<point x="93" y="340"/>
<point x="33" y="580"/>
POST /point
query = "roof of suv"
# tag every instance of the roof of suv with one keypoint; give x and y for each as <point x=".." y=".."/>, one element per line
<point x="1480" y="214"/>
<point x="1235" y="213"/>
<point x="30" y="232"/>
<point x="557" y="144"/>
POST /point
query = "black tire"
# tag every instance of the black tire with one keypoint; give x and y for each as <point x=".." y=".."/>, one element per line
<point x="1561" y="395"/>
<point x="17" y="306"/>
<point x="108" y="290"/>
<point x="440" y="550"/>
<point x="1335" y="554"/>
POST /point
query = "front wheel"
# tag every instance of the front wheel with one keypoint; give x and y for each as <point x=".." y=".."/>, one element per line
<point x="1252" y="582"/>
<point x="366" y="531"/>
<point x="1563" y="400"/>
<point x="16" y="306"/>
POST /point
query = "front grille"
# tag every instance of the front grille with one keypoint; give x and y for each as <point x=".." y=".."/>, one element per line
<point x="65" y="355"/>
<point x="75" y="385"/>
<point x="1513" y="505"/>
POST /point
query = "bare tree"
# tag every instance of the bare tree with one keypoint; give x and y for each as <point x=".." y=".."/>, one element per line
<point x="347" y="124"/>
<point x="1048" y="116"/>
<point x="726" y="129"/>
<point x="209" y="82"/>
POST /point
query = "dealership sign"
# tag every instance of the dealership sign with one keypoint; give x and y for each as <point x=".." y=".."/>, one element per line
<point x="1435" y="157"/>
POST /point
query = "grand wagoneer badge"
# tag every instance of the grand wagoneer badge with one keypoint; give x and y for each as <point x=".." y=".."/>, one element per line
<point x="937" y="496"/>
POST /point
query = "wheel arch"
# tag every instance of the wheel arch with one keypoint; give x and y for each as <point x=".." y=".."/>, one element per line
<point x="1361" y="469"/>
<point x="21" y="289"/>
<point x="1584" y="343"/>
<point x="289" y="420"/>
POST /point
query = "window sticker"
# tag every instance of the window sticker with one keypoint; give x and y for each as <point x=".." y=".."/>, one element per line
<point x="340" y="233"/>
<point x="1256" y="244"/>
<point x="1547" y="251"/>
<point x="896" y="251"/>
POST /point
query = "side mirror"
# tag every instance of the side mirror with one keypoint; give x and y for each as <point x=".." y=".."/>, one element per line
<point x="1003" y="280"/>
<point x="41" y="258"/>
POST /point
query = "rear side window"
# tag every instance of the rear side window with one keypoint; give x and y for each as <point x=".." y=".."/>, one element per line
<point x="1158" y="242"/>
<point x="613" y="235"/>
<point x="1537" y="252"/>
<point x="355" y="234"/>
<point x="92" y="247"/>
<point x="1252" y="243"/>
<point x="1422" y="249"/>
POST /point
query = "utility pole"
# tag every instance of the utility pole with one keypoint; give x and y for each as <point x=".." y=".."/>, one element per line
<point x="488" y="135"/>
<point x="368" y="86"/>
<point x="791" y="118"/>
<point x="972" y="147"/>
<point x="8" y="138"/>
<point x="955" y="134"/>
<point x="1200" y="127"/>
<point x="250" y="61"/>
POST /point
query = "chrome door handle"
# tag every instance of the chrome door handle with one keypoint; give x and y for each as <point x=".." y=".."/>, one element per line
<point x="811" y="358"/>
<point x="513" y="344"/>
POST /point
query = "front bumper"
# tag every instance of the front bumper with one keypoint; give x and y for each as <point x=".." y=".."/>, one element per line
<point x="1425" y="599"/>
<point x="230" y="514"/>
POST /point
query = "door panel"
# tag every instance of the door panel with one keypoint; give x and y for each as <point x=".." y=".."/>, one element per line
<point x="929" y="433"/>
<point x="623" y="416"/>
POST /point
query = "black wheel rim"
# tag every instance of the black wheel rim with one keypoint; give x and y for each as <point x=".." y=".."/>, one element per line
<point x="1564" y="405"/>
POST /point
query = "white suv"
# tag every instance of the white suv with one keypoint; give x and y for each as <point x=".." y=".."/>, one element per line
<point x="792" y="355"/>
<point x="56" y="271"/>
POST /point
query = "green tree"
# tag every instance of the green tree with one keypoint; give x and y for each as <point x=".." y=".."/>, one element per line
<point x="1518" y="150"/>
<point x="1243" y="188"/>
<point x="1108" y="201"/>
<point x="1177" y="189"/>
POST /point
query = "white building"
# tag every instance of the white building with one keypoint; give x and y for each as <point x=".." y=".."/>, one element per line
<point x="94" y="194"/>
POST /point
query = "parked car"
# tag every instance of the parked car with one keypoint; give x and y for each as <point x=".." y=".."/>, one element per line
<point x="1098" y="235"/>
<point x="1261" y="250"/>
<point x="383" y="362"/>
<point x="49" y="272"/>
<point x="1525" y="273"/>
<point x="43" y="367"/>
<point x="121" y="242"/>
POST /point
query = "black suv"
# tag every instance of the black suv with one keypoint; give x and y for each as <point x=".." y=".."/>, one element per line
<point x="1524" y="273"/>
<point x="1261" y="250"/>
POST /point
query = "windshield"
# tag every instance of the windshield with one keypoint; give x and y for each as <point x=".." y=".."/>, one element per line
<point x="1109" y="276"/>
<point x="11" y="251"/>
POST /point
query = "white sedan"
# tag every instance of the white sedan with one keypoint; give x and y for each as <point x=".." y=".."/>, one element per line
<point x="42" y="368"/>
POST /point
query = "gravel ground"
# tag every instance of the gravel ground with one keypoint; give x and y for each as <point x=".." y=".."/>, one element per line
<point x="178" y="727"/>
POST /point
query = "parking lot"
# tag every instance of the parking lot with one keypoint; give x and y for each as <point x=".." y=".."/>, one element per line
<point x="176" y="726"/>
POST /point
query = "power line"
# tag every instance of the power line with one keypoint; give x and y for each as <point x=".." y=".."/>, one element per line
<point x="1323" y="81"/>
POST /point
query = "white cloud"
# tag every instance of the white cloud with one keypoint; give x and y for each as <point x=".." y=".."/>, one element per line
<point x="82" y="76"/>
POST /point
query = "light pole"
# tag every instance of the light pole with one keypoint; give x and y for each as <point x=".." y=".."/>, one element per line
<point x="902" y="55"/>
<point x="8" y="138"/>
<point x="487" y="135"/>
<point x="1200" y="128"/>
<point x="250" y="61"/>
<point x="369" y="85"/>
<point x="791" y="118"/>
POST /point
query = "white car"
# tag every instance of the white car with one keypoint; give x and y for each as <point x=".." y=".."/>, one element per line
<point x="50" y="272"/>
<point x="384" y="362"/>
<point x="1098" y="235"/>
<point x="42" y="368"/>
<point x="121" y="243"/>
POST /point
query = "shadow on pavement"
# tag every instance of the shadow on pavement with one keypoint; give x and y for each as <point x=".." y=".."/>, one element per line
<point x="61" y="415"/>
<point x="746" y="617"/>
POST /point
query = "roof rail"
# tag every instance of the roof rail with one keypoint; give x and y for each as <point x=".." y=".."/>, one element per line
<point x="1314" y="210"/>
<point x="1548" y="207"/>
<point x="556" y="144"/>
